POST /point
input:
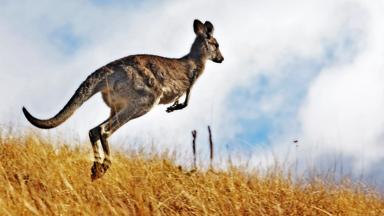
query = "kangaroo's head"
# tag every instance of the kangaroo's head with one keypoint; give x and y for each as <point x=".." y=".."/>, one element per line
<point x="205" y="45"/>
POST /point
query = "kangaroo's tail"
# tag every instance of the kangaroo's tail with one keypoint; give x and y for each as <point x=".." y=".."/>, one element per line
<point x="86" y="90"/>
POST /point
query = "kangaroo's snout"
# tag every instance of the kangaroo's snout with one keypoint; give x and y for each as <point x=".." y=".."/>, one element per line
<point x="218" y="60"/>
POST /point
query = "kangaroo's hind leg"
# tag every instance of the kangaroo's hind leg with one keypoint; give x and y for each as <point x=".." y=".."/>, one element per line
<point x="133" y="110"/>
<point x="95" y="137"/>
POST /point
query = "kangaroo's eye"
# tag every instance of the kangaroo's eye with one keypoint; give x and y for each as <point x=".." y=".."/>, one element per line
<point x="216" y="45"/>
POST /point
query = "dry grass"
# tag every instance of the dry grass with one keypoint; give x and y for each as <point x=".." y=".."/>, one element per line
<point x="39" y="179"/>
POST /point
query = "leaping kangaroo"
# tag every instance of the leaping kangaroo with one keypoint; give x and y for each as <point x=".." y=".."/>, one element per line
<point x="132" y="85"/>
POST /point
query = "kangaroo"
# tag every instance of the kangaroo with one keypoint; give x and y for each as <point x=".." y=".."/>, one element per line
<point x="132" y="85"/>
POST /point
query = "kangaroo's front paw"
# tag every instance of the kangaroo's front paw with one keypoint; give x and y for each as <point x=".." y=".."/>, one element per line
<point x="170" y="109"/>
<point x="175" y="107"/>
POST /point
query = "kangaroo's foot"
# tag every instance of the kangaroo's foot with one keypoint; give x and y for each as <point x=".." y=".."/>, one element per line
<point x="106" y="164"/>
<point x="98" y="170"/>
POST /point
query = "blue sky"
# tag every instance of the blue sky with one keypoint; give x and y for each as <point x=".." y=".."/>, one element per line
<point x="297" y="75"/>
<point x="123" y="3"/>
<point x="65" y="39"/>
<point x="307" y="70"/>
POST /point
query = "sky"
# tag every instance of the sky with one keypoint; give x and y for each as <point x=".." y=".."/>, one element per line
<point x="306" y="70"/>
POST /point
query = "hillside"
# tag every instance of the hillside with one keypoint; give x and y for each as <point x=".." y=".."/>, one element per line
<point x="37" y="178"/>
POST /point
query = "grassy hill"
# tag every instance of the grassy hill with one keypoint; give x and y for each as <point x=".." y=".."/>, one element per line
<point x="37" y="178"/>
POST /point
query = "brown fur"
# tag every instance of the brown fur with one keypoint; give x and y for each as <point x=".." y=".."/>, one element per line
<point x="132" y="85"/>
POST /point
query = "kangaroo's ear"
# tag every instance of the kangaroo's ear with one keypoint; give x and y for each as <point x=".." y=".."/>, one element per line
<point x="198" y="27"/>
<point x="209" y="27"/>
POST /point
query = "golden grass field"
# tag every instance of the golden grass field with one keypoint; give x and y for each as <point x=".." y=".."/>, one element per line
<point x="37" y="178"/>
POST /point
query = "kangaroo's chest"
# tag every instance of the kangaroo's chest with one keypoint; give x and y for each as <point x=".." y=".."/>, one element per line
<point x="173" y="89"/>
<point x="170" y="94"/>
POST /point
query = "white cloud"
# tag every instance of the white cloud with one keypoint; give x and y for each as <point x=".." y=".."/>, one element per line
<point x="344" y="107"/>
<point x="344" y="38"/>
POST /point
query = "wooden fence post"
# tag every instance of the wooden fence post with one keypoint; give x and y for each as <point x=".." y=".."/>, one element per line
<point x="210" y="145"/>
<point x="194" y="134"/>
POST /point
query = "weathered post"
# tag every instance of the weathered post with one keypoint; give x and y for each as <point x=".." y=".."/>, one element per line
<point x="194" y="134"/>
<point x="210" y="145"/>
